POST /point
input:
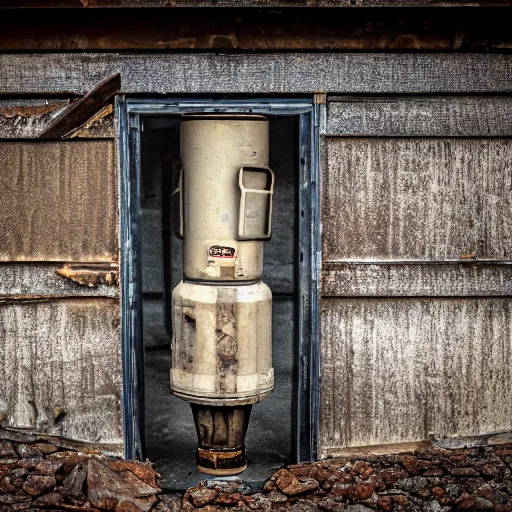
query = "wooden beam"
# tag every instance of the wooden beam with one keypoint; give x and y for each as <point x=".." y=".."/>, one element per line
<point x="420" y="116"/>
<point x="263" y="29"/>
<point x="82" y="110"/>
<point x="247" y="3"/>
<point x="40" y="73"/>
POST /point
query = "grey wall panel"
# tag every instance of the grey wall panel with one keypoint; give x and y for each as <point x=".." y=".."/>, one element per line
<point x="41" y="279"/>
<point x="410" y="280"/>
<point x="430" y="199"/>
<point x="420" y="116"/>
<point x="398" y="370"/>
<point x="258" y="73"/>
<point x="60" y="369"/>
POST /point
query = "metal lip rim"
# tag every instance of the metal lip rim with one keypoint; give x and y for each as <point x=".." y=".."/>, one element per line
<point x="223" y="117"/>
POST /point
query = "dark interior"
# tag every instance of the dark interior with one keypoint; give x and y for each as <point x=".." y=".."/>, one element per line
<point x="170" y="434"/>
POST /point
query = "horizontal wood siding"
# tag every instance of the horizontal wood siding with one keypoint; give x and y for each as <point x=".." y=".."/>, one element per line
<point x="258" y="73"/>
<point x="58" y="201"/>
<point x="410" y="280"/>
<point x="421" y="199"/>
<point x="29" y="280"/>
<point x="449" y="116"/>
<point x="60" y="368"/>
<point x="399" y="370"/>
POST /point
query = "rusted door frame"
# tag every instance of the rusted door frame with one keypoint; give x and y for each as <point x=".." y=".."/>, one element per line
<point x="306" y="401"/>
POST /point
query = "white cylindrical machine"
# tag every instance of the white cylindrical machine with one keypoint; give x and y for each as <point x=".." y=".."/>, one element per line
<point x="222" y="311"/>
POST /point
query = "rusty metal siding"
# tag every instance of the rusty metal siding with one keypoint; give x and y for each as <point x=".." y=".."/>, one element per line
<point x="58" y="201"/>
<point x="426" y="199"/>
<point x="60" y="369"/>
<point x="399" y="370"/>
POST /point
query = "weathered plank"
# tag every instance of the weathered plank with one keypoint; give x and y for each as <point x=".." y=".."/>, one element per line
<point x="440" y="280"/>
<point x="26" y="280"/>
<point x="398" y="370"/>
<point x="427" y="199"/>
<point x="27" y="119"/>
<point x="478" y="116"/>
<point x="253" y="73"/>
<point x="256" y="29"/>
<point x="249" y="3"/>
<point x="61" y="368"/>
<point x="79" y="112"/>
<point x="58" y="201"/>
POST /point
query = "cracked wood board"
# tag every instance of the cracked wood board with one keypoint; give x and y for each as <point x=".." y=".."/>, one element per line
<point x="61" y="369"/>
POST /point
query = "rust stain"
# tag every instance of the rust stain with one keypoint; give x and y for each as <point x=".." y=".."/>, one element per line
<point x="213" y="456"/>
<point x="92" y="277"/>
<point x="29" y="111"/>
<point x="469" y="256"/>
<point x="82" y="130"/>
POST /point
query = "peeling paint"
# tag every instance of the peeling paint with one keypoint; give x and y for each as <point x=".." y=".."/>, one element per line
<point x="91" y="277"/>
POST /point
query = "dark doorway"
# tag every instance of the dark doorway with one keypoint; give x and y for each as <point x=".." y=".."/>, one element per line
<point x="283" y="427"/>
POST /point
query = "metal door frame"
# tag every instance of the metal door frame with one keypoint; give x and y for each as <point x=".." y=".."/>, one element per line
<point x="129" y="112"/>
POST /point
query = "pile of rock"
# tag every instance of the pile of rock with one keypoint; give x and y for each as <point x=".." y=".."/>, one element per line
<point x="42" y="475"/>
<point x="433" y="480"/>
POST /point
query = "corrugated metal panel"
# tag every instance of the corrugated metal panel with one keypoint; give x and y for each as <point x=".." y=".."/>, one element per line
<point x="58" y="201"/>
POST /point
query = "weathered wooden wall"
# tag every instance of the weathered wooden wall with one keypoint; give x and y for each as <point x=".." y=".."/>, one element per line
<point x="60" y="350"/>
<point x="415" y="315"/>
<point x="58" y="201"/>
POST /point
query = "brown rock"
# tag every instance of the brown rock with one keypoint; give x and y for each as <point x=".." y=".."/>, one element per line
<point x="107" y="488"/>
<point x="7" y="451"/>
<point x="464" y="472"/>
<point x="142" y="471"/>
<point x="228" y="499"/>
<point x="385" y="503"/>
<point x="200" y="496"/>
<point x="276" y="497"/>
<point x="288" y="483"/>
<point x="50" y="499"/>
<point x="48" y="467"/>
<point x="467" y="502"/>
<point x="6" y="485"/>
<point x="46" y="448"/>
<point x="269" y="485"/>
<point x="135" y="504"/>
<point x="37" y="484"/>
<point x="26" y="451"/>
<point x="434" y="471"/>
<point x="340" y="490"/>
<point x="390" y="476"/>
<point x="411" y="464"/>
<point x="74" y="482"/>
<point x="437" y="492"/>
<point x="400" y="499"/>
<point x="362" y="491"/>
<point x="169" y="503"/>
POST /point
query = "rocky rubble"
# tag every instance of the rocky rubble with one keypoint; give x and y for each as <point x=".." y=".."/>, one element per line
<point x="43" y="476"/>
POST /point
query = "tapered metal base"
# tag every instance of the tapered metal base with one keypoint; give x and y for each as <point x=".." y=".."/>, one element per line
<point x="221" y="438"/>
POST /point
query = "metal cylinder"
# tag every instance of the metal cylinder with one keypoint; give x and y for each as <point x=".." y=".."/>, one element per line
<point x="213" y="150"/>
<point x="222" y="343"/>
<point x="222" y="312"/>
